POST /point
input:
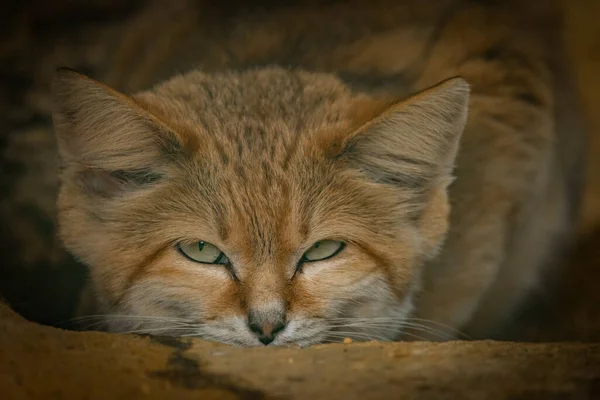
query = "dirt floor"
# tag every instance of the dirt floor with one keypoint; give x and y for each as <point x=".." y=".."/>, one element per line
<point x="39" y="362"/>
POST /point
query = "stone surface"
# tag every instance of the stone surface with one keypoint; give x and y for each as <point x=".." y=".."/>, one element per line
<point x="39" y="362"/>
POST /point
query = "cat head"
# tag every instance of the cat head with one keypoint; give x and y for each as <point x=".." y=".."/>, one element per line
<point x="264" y="207"/>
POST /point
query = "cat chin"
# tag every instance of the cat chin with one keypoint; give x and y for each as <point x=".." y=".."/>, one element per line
<point x="299" y="333"/>
<point x="377" y="315"/>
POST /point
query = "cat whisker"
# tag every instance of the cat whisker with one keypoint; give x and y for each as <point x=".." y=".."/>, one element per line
<point x="355" y="335"/>
<point x="427" y="329"/>
<point x="131" y="317"/>
<point x="133" y="321"/>
<point x="363" y="319"/>
<point x="381" y="325"/>
<point x="213" y="338"/>
<point x="446" y="333"/>
<point x="161" y="329"/>
<point x="93" y="325"/>
<point x="415" y="336"/>
<point x="448" y="327"/>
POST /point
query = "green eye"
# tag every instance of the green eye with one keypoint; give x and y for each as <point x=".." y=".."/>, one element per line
<point x="203" y="252"/>
<point x="323" y="250"/>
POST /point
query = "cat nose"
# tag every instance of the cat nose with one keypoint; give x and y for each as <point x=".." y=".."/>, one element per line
<point x="266" y="332"/>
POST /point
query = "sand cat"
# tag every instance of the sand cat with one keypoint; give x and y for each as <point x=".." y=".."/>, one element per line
<point x="303" y="173"/>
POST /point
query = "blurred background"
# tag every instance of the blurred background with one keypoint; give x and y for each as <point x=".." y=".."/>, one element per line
<point x="40" y="281"/>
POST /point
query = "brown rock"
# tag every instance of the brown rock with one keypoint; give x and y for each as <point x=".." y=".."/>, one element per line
<point x="39" y="362"/>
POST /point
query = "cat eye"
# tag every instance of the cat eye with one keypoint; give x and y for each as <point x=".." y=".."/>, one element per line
<point x="203" y="252"/>
<point x="323" y="250"/>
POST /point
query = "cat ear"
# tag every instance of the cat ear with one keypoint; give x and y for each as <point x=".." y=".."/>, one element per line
<point x="104" y="137"/>
<point x="413" y="143"/>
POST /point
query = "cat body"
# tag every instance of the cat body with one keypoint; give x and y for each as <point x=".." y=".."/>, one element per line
<point x="319" y="171"/>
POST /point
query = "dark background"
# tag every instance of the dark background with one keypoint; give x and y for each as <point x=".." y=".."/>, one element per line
<point x="41" y="281"/>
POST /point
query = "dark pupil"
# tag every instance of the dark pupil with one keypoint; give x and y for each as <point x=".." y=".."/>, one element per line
<point x="317" y="245"/>
<point x="200" y="246"/>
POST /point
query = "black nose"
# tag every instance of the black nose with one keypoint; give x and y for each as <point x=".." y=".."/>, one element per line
<point x="266" y="332"/>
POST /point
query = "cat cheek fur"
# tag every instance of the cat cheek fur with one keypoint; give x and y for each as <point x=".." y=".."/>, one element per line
<point x="176" y="297"/>
<point x="348" y="296"/>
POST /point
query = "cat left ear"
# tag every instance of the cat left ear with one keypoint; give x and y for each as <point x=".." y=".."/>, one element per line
<point x="107" y="141"/>
<point x="413" y="143"/>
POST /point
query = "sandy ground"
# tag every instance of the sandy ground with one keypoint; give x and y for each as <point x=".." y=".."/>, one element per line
<point x="36" y="361"/>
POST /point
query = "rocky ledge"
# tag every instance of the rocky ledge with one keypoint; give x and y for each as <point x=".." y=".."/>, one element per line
<point x="40" y="362"/>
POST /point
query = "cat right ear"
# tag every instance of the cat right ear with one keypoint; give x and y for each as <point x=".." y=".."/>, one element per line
<point x="414" y="143"/>
<point x="412" y="146"/>
<point x="105" y="138"/>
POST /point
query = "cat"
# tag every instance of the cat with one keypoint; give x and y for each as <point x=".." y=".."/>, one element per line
<point x="304" y="173"/>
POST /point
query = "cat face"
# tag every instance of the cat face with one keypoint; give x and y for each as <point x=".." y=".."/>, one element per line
<point x="269" y="207"/>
